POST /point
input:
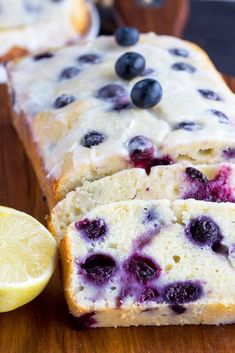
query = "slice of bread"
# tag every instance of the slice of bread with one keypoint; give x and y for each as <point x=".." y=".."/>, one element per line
<point x="151" y="263"/>
<point x="179" y="181"/>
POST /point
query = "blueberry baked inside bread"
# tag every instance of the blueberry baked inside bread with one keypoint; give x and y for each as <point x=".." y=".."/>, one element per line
<point x="34" y="25"/>
<point x="151" y="263"/>
<point x="87" y="111"/>
<point x="215" y="183"/>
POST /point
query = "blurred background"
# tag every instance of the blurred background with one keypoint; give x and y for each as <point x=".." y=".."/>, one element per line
<point x="210" y="23"/>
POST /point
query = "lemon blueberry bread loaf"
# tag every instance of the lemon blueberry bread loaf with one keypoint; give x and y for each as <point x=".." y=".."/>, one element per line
<point x="34" y="25"/>
<point x="87" y="111"/>
<point x="151" y="263"/>
<point x="214" y="183"/>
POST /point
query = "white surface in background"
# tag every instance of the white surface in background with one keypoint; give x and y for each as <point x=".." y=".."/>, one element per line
<point x="91" y="33"/>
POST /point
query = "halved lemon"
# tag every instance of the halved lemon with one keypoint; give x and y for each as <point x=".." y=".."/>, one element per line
<point x="28" y="256"/>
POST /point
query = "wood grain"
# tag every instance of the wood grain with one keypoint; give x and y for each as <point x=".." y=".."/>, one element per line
<point x="168" y="19"/>
<point x="44" y="325"/>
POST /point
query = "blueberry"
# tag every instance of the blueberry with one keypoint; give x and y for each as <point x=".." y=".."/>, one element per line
<point x="121" y="103"/>
<point x="143" y="268"/>
<point x="69" y="73"/>
<point x="99" y="268"/>
<point x="85" y="321"/>
<point x="220" y="248"/>
<point x="188" y="125"/>
<point x="127" y="36"/>
<point x="179" y="52"/>
<point x="92" y="138"/>
<point x="229" y="153"/>
<point x="149" y="295"/>
<point x="184" y="67"/>
<point x="178" y="309"/>
<point x="41" y="56"/>
<point x="130" y="65"/>
<point x="146" y="93"/>
<point x="150" y="215"/>
<point x="89" y="59"/>
<point x="111" y="91"/>
<point x="182" y="292"/>
<point x="208" y="94"/>
<point x="141" y="150"/>
<point x="223" y="119"/>
<point x="195" y="174"/>
<point x="203" y="231"/>
<point x="92" y="230"/>
<point x="63" y="100"/>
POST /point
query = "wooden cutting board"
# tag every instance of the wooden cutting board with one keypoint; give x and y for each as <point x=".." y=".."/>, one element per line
<point x="44" y="325"/>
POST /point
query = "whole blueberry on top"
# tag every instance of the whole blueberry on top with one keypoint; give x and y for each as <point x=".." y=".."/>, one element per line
<point x="110" y="91"/>
<point x="196" y="175"/>
<point x="92" y="138"/>
<point x="179" y="52"/>
<point x="184" y="67"/>
<point x="182" y="292"/>
<point x="209" y="94"/>
<point x="146" y="93"/>
<point x="126" y="36"/>
<point x="63" y="100"/>
<point x="92" y="229"/>
<point x="223" y="119"/>
<point x="99" y="268"/>
<point x="141" y="150"/>
<point x="41" y="56"/>
<point x="143" y="268"/>
<point x="90" y="59"/>
<point x="69" y="72"/>
<point x="203" y="230"/>
<point x="130" y="65"/>
<point x="188" y="125"/>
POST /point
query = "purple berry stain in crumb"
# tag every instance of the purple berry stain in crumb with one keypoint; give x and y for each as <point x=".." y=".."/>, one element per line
<point x="85" y="321"/>
<point x="141" y="151"/>
<point x="92" y="229"/>
<point x="229" y="153"/>
<point x="203" y="230"/>
<point x="149" y="294"/>
<point x="163" y="160"/>
<point x="178" y="293"/>
<point x="217" y="189"/>
<point x="99" y="268"/>
<point x="142" y="268"/>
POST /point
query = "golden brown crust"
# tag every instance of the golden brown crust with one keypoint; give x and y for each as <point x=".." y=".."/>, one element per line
<point x="67" y="271"/>
<point x="24" y="133"/>
<point x="14" y="53"/>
